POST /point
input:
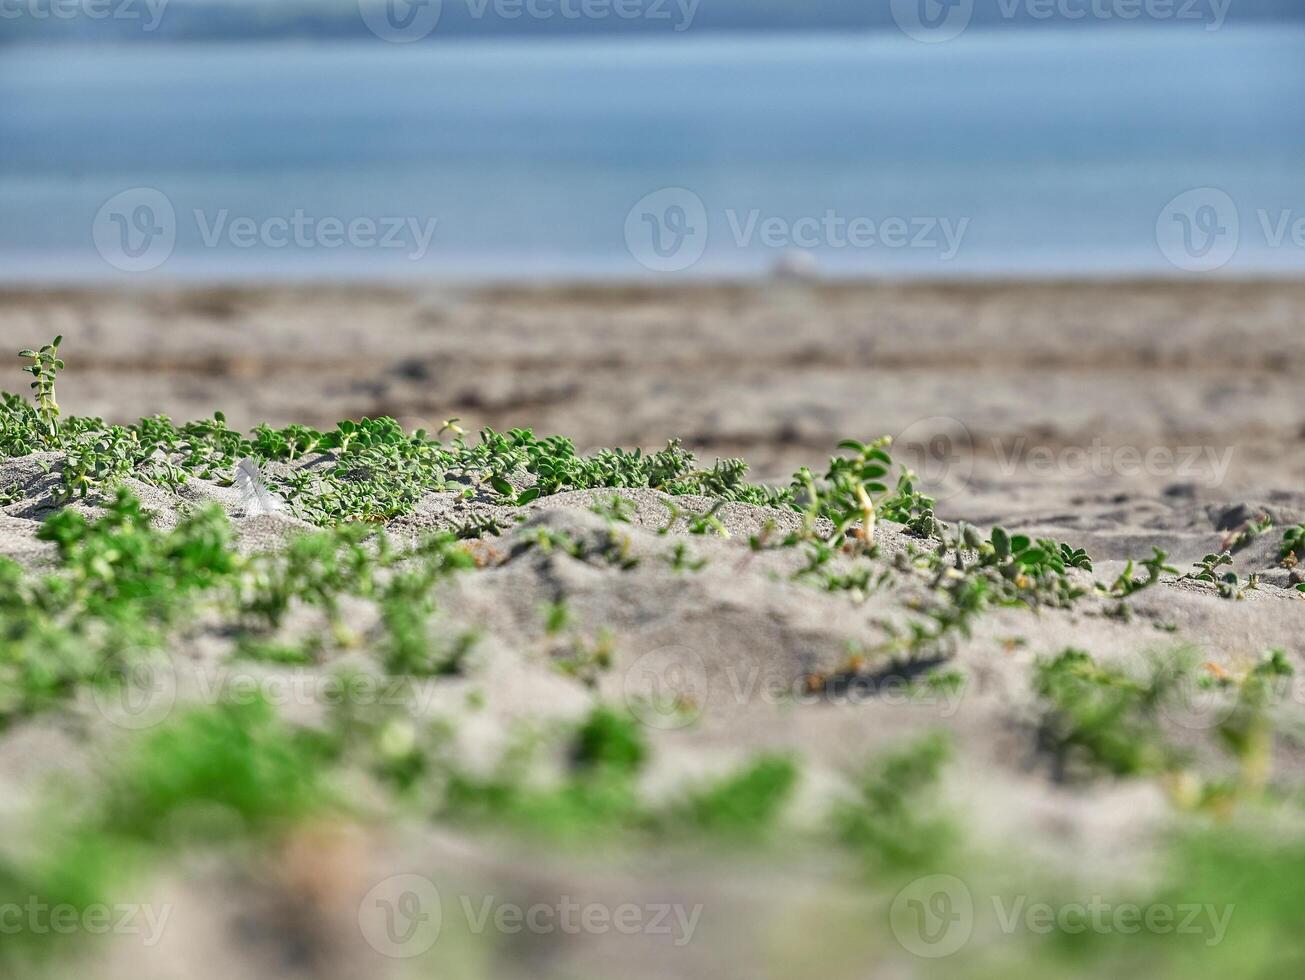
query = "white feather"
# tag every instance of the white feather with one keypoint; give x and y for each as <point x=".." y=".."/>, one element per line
<point x="255" y="496"/>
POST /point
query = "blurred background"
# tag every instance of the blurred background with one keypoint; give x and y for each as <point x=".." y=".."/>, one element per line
<point x="153" y="140"/>
<point x="1053" y="247"/>
<point x="760" y="226"/>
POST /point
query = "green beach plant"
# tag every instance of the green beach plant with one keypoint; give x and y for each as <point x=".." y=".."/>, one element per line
<point x="45" y="368"/>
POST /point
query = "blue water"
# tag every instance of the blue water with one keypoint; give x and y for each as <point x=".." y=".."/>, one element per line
<point x="1059" y="149"/>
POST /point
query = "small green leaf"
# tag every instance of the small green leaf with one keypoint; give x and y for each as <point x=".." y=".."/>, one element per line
<point x="1032" y="557"/>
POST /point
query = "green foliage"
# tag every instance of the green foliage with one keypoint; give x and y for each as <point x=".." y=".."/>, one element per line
<point x="557" y="617"/>
<point x="610" y="740"/>
<point x="229" y="760"/>
<point x="225" y="774"/>
<point x="1126" y="585"/>
<point x="1100" y="719"/>
<point x="1293" y="544"/>
<point x="44" y="368"/>
<point x="1247" y="533"/>
<point x="121" y="589"/>
<point x="119" y="586"/>
<point x="260" y="650"/>
<point x="1028" y="557"/>
<point x="1207" y="569"/>
<point x="406" y="606"/>
<point x="893" y="820"/>
<point x="616" y="509"/>
<point x="120" y="557"/>
<point x="1247" y="732"/>
<point x="1228" y="584"/>
<point x="597" y="794"/>
<point x="741" y="806"/>
<point x="369" y="470"/>
<point x="682" y="560"/>
<point x="707" y="522"/>
<point x="599" y="798"/>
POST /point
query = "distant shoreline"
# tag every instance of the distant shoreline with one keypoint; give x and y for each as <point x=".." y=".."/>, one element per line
<point x="340" y="21"/>
<point x="10" y="288"/>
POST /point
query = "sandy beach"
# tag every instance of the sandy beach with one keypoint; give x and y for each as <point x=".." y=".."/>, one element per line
<point x="779" y="372"/>
<point x="1119" y="417"/>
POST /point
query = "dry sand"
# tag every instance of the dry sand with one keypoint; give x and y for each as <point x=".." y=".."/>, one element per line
<point x="1012" y="375"/>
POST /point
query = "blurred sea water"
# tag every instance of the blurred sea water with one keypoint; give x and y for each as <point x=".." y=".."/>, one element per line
<point x="1031" y="153"/>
